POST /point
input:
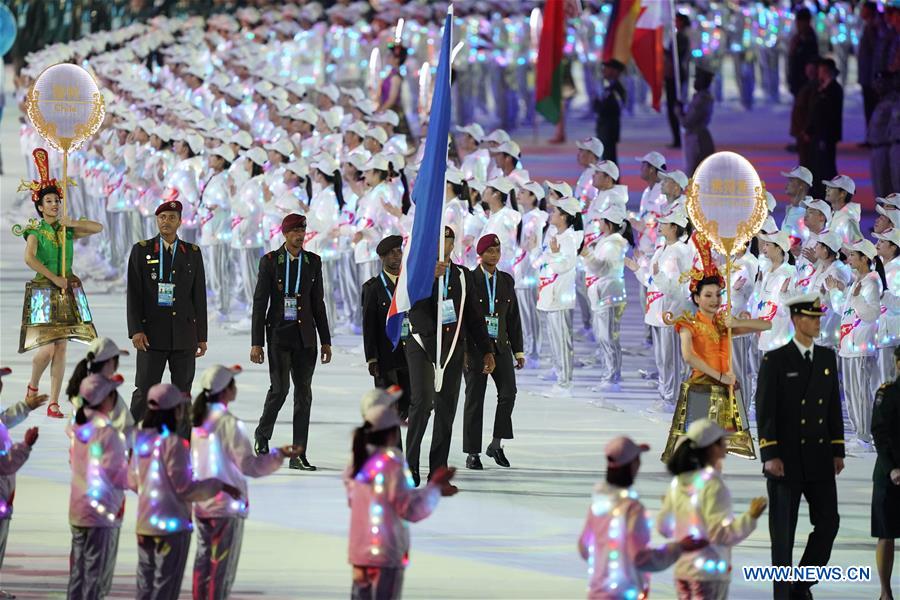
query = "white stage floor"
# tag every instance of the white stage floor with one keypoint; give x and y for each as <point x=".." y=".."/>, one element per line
<point x="508" y="534"/>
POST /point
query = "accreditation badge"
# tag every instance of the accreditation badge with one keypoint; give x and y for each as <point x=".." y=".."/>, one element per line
<point x="290" y="308"/>
<point x="404" y="328"/>
<point x="493" y="326"/>
<point x="165" y="295"/>
<point x="448" y="313"/>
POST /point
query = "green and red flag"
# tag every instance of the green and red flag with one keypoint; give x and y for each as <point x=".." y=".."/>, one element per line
<point x="549" y="74"/>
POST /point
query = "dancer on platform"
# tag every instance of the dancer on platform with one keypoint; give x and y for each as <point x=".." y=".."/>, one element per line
<point x="382" y="503"/>
<point x="48" y="323"/>
<point x="705" y="348"/>
<point x="221" y="449"/>
<point x="556" y="291"/>
<point x="499" y="306"/>
<point x="161" y="474"/>
<point x="99" y="462"/>
<point x="12" y="458"/>
<point x="698" y="503"/>
<point x="615" y="540"/>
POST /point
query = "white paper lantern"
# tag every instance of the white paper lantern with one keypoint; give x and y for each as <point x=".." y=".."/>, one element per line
<point x="65" y="106"/>
<point x="726" y="201"/>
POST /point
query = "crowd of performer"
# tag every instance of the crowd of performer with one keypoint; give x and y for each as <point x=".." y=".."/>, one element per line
<point x="249" y="184"/>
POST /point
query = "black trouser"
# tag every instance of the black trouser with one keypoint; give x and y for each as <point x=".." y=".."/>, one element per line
<point x="397" y="377"/>
<point x="149" y="369"/>
<point x="784" y="502"/>
<point x="286" y="364"/>
<point x="609" y="147"/>
<point x="504" y="377"/>
<point x="825" y="161"/>
<point x="671" y="103"/>
<point x="870" y="99"/>
<point x="424" y="399"/>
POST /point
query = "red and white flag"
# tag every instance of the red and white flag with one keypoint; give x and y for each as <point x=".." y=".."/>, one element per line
<point x="652" y="26"/>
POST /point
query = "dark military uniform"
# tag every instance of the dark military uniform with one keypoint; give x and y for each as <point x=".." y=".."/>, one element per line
<point x="609" y="118"/>
<point x="886" y="431"/>
<point x="507" y="343"/>
<point x="798" y="413"/>
<point x="392" y="370"/>
<point x="421" y="354"/>
<point x="174" y="323"/>
<point x="293" y="349"/>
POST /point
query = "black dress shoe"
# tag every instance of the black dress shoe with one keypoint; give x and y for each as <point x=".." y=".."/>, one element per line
<point x="498" y="456"/>
<point x="262" y="446"/>
<point x="301" y="464"/>
<point x="800" y="592"/>
<point x="473" y="461"/>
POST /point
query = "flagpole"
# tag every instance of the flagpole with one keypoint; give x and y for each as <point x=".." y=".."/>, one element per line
<point x="438" y="365"/>
<point x="676" y="58"/>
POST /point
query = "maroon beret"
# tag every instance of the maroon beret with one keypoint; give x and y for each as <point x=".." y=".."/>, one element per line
<point x="169" y="205"/>
<point x="293" y="221"/>
<point x="486" y="242"/>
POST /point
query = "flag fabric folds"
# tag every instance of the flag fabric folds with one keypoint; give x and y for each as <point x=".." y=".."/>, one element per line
<point x="620" y="32"/>
<point x="647" y="45"/>
<point x="421" y="253"/>
<point x="549" y="75"/>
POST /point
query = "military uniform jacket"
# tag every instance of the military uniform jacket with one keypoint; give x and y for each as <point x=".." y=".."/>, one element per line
<point x="506" y="309"/>
<point x="375" y="304"/>
<point x="180" y="326"/>
<point x="268" y="302"/>
<point x="886" y="430"/>
<point x="423" y="317"/>
<point x="609" y="111"/>
<point x="798" y="412"/>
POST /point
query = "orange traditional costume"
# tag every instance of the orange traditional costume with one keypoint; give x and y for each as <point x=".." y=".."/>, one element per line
<point x="701" y="396"/>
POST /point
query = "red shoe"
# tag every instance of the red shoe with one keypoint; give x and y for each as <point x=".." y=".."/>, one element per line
<point x="54" y="412"/>
<point x="30" y="392"/>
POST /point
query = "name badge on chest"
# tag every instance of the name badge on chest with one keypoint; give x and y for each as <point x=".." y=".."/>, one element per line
<point x="290" y="308"/>
<point x="165" y="295"/>
<point x="404" y="329"/>
<point x="493" y="326"/>
<point x="448" y="312"/>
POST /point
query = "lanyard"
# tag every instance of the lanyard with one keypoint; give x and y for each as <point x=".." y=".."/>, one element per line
<point x="491" y="286"/>
<point x="386" y="289"/>
<point x="287" y="272"/>
<point x="172" y="266"/>
<point x="447" y="282"/>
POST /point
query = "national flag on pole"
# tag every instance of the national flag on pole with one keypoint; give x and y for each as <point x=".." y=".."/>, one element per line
<point x="647" y="45"/>
<point x="549" y="76"/>
<point x="620" y="31"/>
<point x="421" y="253"/>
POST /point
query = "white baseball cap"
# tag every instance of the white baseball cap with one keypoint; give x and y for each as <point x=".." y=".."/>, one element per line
<point x="366" y="107"/>
<point x="891" y="235"/>
<point x="326" y="164"/>
<point x="864" y="246"/>
<point x="164" y="396"/>
<point x="819" y="205"/>
<point x="568" y="205"/>
<point x="103" y="349"/>
<point x="780" y="238"/>
<point x="841" y="182"/>
<point x="242" y="139"/>
<point x="677" y="176"/>
<point x="769" y="225"/>
<point x="831" y="240"/>
<point x="770" y="201"/>
<point x="310" y="115"/>
<point x="890" y="200"/>
<point x="509" y="147"/>
<point x="194" y="141"/>
<point x="217" y="377"/>
<point x="614" y="213"/>
<point x="357" y="127"/>
<point x="379" y="397"/>
<point x="592" y="145"/>
<point x="498" y="136"/>
<point x="224" y="151"/>
<point x="331" y="91"/>
<point x="377" y="133"/>
<point x="501" y="184"/>
<point x="622" y="450"/>
<point x="382" y="417"/>
<point x="608" y="167"/>
<point x="298" y="167"/>
<point x="257" y="155"/>
<point x="801" y="173"/>
<point x="473" y="129"/>
<point x="892" y="214"/>
<point x="657" y="160"/>
<point x="376" y="163"/>
<point x="96" y="387"/>
<point x="387" y="116"/>
<point x="535" y="188"/>
<point x="705" y="433"/>
<point x="560" y="187"/>
<point x="454" y="175"/>
<point x="677" y="217"/>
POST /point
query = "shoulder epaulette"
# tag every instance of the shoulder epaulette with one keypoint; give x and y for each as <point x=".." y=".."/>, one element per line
<point x="195" y="248"/>
<point x="143" y="242"/>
